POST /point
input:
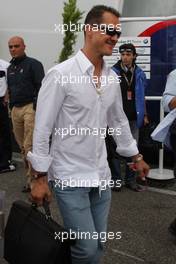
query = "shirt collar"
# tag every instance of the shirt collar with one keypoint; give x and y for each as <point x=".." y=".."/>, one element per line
<point x="83" y="61"/>
<point x="126" y="69"/>
<point x="18" y="60"/>
<point x="85" y="64"/>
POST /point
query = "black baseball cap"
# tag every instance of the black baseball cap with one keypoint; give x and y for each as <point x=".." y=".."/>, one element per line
<point x="127" y="47"/>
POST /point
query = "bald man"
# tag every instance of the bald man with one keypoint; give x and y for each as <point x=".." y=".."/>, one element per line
<point x="24" y="77"/>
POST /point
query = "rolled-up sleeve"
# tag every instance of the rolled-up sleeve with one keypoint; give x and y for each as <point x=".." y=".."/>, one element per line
<point x="50" y="99"/>
<point x="170" y="91"/>
<point x="126" y="144"/>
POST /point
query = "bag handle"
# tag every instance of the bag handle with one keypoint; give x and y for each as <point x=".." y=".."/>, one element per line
<point x="46" y="207"/>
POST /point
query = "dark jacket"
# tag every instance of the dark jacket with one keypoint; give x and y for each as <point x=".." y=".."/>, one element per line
<point x="24" y="77"/>
<point x="140" y="85"/>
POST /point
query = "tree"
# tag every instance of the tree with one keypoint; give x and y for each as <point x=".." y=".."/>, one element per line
<point x="71" y="16"/>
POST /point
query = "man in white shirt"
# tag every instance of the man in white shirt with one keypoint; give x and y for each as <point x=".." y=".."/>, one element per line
<point x="5" y="135"/>
<point x="169" y="95"/>
<point x="77" y="100"/>
<point x="169" y="103"/>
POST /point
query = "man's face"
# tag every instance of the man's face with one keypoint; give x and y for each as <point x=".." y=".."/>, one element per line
<point x="127" y="58"/>
<point x="100" y="41"/>
<point x="16" y="47"/>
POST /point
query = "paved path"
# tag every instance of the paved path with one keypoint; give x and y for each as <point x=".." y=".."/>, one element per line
<point x="143" y="219"/>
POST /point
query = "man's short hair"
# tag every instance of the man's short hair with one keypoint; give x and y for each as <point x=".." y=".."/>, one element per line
<point x="129" y="47"/>
<point x="95" y="14"/>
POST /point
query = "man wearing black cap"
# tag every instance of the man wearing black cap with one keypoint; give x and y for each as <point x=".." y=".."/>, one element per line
<point x="133" y="84"/>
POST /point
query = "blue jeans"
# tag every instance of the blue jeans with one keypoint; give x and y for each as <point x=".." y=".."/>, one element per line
<point x="83" y="209"/>
<point x="116" y="172"/>
<point x="130" y="174"/>
<point x="114" y="163"/>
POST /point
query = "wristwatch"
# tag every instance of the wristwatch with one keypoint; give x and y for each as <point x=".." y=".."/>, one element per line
<point x="39" y="175"/>
<point x="139" y="158"/>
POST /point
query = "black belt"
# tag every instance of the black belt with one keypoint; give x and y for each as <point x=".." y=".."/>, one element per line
<point x="22" y="104"/>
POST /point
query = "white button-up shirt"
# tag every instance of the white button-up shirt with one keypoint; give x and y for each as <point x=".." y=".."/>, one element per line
<point x="162" y="131"/>
<point x="68" y="103"/>
<point x="3" y="73"/>
<point x="170" y="90"/>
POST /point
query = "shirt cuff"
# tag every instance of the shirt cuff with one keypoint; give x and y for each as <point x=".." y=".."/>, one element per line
<point x="39" y="163"/>
<point x="129" y="151"/>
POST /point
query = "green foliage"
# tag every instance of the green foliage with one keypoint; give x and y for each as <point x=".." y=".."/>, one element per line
<point x="71" y="15"/>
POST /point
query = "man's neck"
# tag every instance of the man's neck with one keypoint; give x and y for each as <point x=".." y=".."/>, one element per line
<point x="97" y="61"/>
<point x="126" y="68"/>
<point x="129" y="66"/>
<point x="18" y="59"/>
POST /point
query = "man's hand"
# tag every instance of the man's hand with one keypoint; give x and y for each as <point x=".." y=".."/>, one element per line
<point x="40" y="190"/>
<point x="6" y="99"/>
<point x="140" y="165"/>
<point x="142" y="168"/>
<point x="172" y="103"/>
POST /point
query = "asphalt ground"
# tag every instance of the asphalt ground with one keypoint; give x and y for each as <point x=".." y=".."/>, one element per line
<point x="142" y="218"/>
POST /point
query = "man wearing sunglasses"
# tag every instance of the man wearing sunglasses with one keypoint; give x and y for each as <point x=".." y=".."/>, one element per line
<point x="133" y="85"/>
<point x="110" y="30"/>
<point x="24" y="76"/>
<point x="77" y="164"/>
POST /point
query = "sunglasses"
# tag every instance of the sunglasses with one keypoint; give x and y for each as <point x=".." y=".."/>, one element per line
<point x="127" y="50"/>
<point x="14" y="46"/>
<point x="110" y="32"/>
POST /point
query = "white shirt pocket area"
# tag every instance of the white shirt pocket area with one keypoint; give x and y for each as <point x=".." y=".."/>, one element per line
<point x="3" y="86"/>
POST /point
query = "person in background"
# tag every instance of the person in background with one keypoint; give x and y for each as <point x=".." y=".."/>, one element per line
<point x="24" y="76"/>
<point x="133" y="84"/>
<point x="169" y="104"/>
<point x="5" y="135"/>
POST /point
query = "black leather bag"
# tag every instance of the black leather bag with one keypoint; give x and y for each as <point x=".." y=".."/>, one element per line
<point x="30" y="237"/>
